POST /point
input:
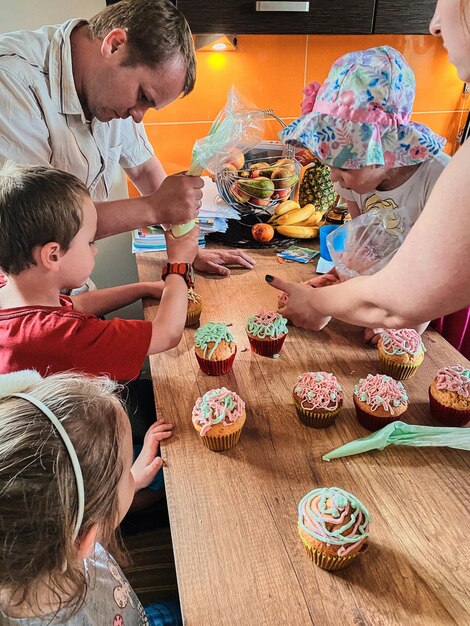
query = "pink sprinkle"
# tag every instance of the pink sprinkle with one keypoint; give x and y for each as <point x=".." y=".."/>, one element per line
<point x="454" y="378"/>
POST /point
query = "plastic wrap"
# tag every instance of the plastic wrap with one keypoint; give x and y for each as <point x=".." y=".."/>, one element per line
<point x="365" y="244"/>
<point x="239" y="126"/>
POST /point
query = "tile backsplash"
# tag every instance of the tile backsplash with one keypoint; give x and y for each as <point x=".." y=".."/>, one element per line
<point x="271" y="71"/>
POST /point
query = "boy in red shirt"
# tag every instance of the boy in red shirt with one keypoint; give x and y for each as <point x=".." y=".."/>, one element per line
<point x="47" y="228"/>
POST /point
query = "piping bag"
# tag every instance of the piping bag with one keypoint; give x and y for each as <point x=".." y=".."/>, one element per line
<point x="238" y="127"/>
<point x="401" y="434"/>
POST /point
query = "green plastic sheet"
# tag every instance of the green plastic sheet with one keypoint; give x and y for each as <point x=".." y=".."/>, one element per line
<point x="401" y="434"/>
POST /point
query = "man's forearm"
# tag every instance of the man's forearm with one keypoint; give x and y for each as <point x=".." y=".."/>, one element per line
<point x="121" y="216"/>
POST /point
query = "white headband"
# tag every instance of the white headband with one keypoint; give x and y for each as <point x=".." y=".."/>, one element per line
<point x="70" y="449"/>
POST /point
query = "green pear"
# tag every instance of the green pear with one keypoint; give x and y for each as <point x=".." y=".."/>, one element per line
<point x="260" y="187"/>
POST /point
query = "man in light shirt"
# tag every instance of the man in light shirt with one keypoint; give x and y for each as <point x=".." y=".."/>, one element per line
<point x="74" y="96"/>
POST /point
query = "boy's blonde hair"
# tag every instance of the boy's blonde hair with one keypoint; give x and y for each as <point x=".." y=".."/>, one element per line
<point x="38" y="205"/>
<point x="38" y="492"/>
<point x="156" y="32"/>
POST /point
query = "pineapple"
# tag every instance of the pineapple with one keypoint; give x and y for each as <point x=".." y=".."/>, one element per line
<point x="316" y="187"/>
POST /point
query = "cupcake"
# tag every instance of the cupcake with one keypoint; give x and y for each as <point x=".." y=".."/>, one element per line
<point x="333" y="526"/>
<point x="449" y="396"/>
<point x="379" y="400"/>
<point x="266" y="332"/>
<point x="318" y="398"/>
<point x="194" y="308"/>
<point x="401" y="352"/>
<point x="215" y="348"/>
<point x="218" y="417"/>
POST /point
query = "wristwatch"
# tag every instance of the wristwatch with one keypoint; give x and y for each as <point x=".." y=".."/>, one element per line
<point x="183" y="269"/>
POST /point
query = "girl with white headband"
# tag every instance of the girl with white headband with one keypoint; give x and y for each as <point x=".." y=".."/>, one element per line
<point x="67" y="478"/>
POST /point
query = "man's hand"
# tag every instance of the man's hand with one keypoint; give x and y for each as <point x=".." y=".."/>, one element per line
<point x="300" y="307"/>
<point x="216" y="261"/>
<point x="147" y="464"/>
<point x="177" y="200"/>
<point x="182" y="249"/>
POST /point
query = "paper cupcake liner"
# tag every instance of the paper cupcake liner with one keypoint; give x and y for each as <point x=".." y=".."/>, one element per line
<point x="373" y="422"/>
<point x="193" y="318"/>
<point x="222" y="442"/>
<point x="216" y="368"/>
<point x="327" y="562"/>
<point x="398" y="371"/>
<point x="447" y="415"/>
<point x="316" y="420"/>
<point x="268" y="347"/>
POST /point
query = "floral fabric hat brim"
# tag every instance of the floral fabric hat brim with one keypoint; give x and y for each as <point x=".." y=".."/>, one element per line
<point x="346" y="144"/>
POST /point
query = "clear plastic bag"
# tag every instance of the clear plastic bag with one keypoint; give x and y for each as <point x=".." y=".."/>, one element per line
<point x="365" y="244"/>
<point x="239" y="126"/>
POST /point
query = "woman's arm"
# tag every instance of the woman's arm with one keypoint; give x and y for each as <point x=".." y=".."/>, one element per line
<point x="428" y="277"/>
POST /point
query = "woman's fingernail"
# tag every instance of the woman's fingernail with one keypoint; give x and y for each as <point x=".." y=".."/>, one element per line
<point x="268" y="278"/>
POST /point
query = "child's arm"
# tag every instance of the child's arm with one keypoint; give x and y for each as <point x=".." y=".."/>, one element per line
<point x="104" y="301"/>
<point x="354" y="210"/>
<point x="147" y="464"/>
<point x="168" y="325"/>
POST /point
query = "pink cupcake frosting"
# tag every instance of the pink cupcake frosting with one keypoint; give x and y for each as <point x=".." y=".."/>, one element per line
<point x="401" y="341"/>
<point x="381" y="391"/>
<point x="454" y="378"/>
<point x="319" y="390"/>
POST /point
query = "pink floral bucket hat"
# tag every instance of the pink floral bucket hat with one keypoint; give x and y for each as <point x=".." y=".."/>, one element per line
<point x="361" y="114"/>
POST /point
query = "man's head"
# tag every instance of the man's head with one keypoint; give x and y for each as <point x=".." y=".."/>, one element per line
<point x="146" y="59"/>
<point x="44" y="214"/>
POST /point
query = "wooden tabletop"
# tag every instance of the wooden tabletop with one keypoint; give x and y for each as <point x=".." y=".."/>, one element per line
<point x="233" y="515"/>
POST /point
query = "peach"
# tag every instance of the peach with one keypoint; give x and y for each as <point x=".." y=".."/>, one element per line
<point x="262" y="232"/>
<point x="259" y="201"/>
<point x="237" y="194"/>
<point x="235" y="158"/>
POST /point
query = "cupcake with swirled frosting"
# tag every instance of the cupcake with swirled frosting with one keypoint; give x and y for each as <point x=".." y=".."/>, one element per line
<point x="194" y="308"/>
<point x="218" y="417"/>
<point x="379" y="400"/>
<point x="333" y="526"/>
<point x="266" y="332"/>
<point x="215" y="348"/>
<point x="449" y="396"/>
<point x="318" y="398"/>
<point x="401" y="352"/>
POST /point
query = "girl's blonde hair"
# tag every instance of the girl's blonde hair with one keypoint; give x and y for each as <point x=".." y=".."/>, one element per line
<point x="38" y="493"/>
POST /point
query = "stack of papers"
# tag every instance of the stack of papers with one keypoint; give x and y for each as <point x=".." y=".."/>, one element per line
<point x="213" y="217"/>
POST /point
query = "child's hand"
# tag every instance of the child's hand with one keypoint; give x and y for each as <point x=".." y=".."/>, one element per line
<point x="147" y="464"/>
<point x="182" y="249"/>
<point x="322" y="281"/>
<point x="372" y="335"/>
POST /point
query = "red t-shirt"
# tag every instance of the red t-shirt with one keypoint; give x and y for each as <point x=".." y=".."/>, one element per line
<point x="55" y="339"/>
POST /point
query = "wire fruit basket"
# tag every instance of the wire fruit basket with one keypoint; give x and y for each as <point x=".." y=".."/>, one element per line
<point x="252" y="184"/>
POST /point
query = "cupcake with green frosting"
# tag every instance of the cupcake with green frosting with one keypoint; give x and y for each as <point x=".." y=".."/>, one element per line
<point x="401" y="352"/>
<point x="215" y="348"/>
<point x="333" y="526"/>
<point x="218" y="417"/>
<point x="266" y="332"/>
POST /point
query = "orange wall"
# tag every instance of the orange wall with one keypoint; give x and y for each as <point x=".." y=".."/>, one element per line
<point x="271" y="71"/>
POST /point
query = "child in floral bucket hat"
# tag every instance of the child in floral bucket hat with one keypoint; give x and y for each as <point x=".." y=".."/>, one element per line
<point x="358" y="123"/>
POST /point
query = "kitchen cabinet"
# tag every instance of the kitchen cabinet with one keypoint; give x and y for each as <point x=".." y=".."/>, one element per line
<point x="242" y="16"/>
<point x="403" y="16"/>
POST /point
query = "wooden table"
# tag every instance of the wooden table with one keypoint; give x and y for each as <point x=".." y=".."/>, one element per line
<point x="233" y="515"/>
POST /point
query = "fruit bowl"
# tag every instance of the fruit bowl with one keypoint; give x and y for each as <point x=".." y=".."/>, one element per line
<point x="253" y="184"/>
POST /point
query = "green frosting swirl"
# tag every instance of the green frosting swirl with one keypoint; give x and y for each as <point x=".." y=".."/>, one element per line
<point x="212" y="332"/>
<point x="267" y="324"/>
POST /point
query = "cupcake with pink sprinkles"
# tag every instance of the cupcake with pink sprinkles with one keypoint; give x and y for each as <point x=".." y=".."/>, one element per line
<point x="401" y="352"/>
<point x="379" y="400"/>
<point x="318" y="398"/>
<point x="449" y="396"/>
<point x="266" y="332"/>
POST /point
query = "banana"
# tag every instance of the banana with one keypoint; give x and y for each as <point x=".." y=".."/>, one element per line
<point x="313" y="220"/>
<point x="285" y="207"/>
<point x="296" y="216"/>
<point x="298" y="232"/>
